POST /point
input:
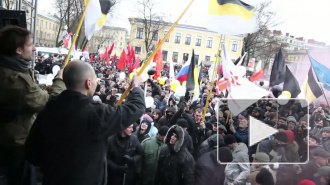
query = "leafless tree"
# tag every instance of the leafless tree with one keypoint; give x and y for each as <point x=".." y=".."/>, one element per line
<point x="69" y="14"/>
<point x="262" y="45"/>
<point x="152" y="23"/>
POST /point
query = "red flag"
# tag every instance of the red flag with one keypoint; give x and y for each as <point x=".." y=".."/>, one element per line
<point x="91" y="58"/>
<point x="85" y="49"/>
<point x="136" y="63"/>
<point x="67" y="41"/>
<point x="128" y="49"/>
<point x="113" y="58"/>
<point x="110" y="51"/>
<point x="159" y="62"/>
<point x="107" y="60"/>
<point x="121" y="61"/>
<point x="104" y="55"/>
<point x="259" y="75"/>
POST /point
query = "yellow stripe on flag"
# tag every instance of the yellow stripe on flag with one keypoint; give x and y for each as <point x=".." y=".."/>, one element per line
<point x="101" y="22"/>
<point x="308" y="91"/>
<point x="196" y="74"/>
<point x="230" y="9"/>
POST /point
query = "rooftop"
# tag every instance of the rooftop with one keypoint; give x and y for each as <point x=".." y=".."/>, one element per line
<point x="47" y="16"/>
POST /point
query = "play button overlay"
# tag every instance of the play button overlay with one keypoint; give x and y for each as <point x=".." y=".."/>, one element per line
<point x="259" y="131"/>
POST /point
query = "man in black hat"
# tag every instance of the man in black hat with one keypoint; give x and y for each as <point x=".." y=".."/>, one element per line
<point x="319" y="159"/>
<point x="314" y="144"/>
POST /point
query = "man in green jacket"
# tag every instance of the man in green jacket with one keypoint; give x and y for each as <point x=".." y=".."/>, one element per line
<point x="152" y="147"/>
<point x="20" y="99"/>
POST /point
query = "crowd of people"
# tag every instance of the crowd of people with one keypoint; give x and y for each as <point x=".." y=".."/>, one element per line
<point x="74" y="133"/>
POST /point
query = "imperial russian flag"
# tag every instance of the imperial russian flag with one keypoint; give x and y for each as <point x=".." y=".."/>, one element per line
<point x="183" y="73"/>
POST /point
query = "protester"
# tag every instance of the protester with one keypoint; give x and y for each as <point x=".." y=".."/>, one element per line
<point x="176" y="164"/>
<point x="260" y="161"/>
<point x="123" y="157"/>
<point x="20" y="100"/>
<point x="264" y="177"/>
<point x="152" y="147"/>
<point x="79" y="128"/>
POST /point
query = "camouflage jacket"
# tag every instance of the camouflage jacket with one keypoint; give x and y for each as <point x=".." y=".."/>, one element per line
<point x="20" y="100"/>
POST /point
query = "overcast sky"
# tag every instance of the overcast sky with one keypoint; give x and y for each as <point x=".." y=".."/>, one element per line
<point x="301" y="18"/>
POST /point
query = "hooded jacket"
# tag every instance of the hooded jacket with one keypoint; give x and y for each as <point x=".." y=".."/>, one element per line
<point x="152" y="147"/>
<point x="144" y="135"/>
<point x="210" y="144"/>
<point x="238" y="173"/>
<point x="176" y="164"/>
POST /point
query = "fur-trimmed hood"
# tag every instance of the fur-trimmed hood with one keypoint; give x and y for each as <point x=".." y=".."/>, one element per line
<point x="179" y="132"/>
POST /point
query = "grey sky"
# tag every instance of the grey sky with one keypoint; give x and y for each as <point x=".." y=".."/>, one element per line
<point x="301" y="18"/>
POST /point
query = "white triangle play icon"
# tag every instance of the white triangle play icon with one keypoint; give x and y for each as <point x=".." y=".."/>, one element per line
<point x="259" y="131"/>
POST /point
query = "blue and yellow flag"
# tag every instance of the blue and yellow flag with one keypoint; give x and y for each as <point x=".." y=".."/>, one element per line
<point x="231" y="17"/>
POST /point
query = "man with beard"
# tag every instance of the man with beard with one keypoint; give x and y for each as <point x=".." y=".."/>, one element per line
<point x="124" y="154"/>
<point x="176" y="164"/>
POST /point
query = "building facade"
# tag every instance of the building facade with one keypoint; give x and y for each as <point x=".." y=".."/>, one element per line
<point x="46" y="30"/>
<point x="178" y="47"/>
<point x="106" y="37"/>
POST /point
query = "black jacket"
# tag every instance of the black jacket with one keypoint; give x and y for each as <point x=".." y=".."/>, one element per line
<point x="208" y="170"/>
<point x="68" y="140"/>
<point x="176" y="164"/>
<point x="118" y="147"/>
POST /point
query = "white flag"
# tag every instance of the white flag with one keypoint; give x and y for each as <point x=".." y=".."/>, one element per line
<point x="93" y="14"/>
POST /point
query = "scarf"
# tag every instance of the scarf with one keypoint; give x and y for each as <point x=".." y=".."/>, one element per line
<point x="15" y="64"/>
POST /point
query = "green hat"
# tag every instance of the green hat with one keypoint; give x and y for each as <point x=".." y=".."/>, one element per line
<point x="261" y="157"/>
<point x="326" y="129"/>
<point x="324" y="171"/>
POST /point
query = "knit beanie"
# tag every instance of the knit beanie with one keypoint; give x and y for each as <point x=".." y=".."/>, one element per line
<point x="291" y="136"/>
<point x="264" y="177"/>
<point x="282" y="136"/>
<point x="163" y="130"/>
<point x="230" y="139"/>
<point x="225" y="155"/>
<point x="306" y="182"/>
<point x="291" y="119"/>
<point x="182" y="123"/>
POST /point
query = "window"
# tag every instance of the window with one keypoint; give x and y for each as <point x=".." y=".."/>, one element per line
<point x="177" y="38"/>
<point x="139" y="33"/>
<point x="42" y="23"/>
<point x="185" y="57"/>
<point x="37" y="33"/>
<point x="209" y="42"/>
<point x="188" y="39"/>
<point x="46" y="24"/>
<point x="137" y="50"/>
<point x="53" y="27"/>
<point x="196" y="59"/>
<point x="164" y="55"/>
<point x="175" y="56"/>
<point x="50" y="26"/>
<point x="234" y="46"/>
<point x="37" y="22"/>
<point x="198" y="40"/>
<point x="168" y="38"/>
<point x="207" y="58"/>
<point x="41" y="34"/>
<point x="155" y="35"/>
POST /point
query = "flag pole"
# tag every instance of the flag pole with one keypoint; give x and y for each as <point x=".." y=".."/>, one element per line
<point x="154" y="52"/>
<point x="76" y="34"/>
<point x="215" y="72"/>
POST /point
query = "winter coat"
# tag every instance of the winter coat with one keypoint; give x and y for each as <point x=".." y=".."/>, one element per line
<point x="68" y="140"/>
<point x="308" y="171"/>
<point x="176" y="164"/>
<point x="20" y="101"/>
<point x="196" y="132"/>
<point x="276" y="154"/>
<point x="242" y="136"/>
<point x="317" y="132"/>
<point x="152" y="147"/>
<point x="254" y="171"/>
<point x="238" y="173"/>
<point x="326" y="144"/>
<point x="208" y="170"/>
<point x="286" y="175"/>
<point x="291" y="152"/>
<point x="210" y="144"/>
<point x="117" y="148"/>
